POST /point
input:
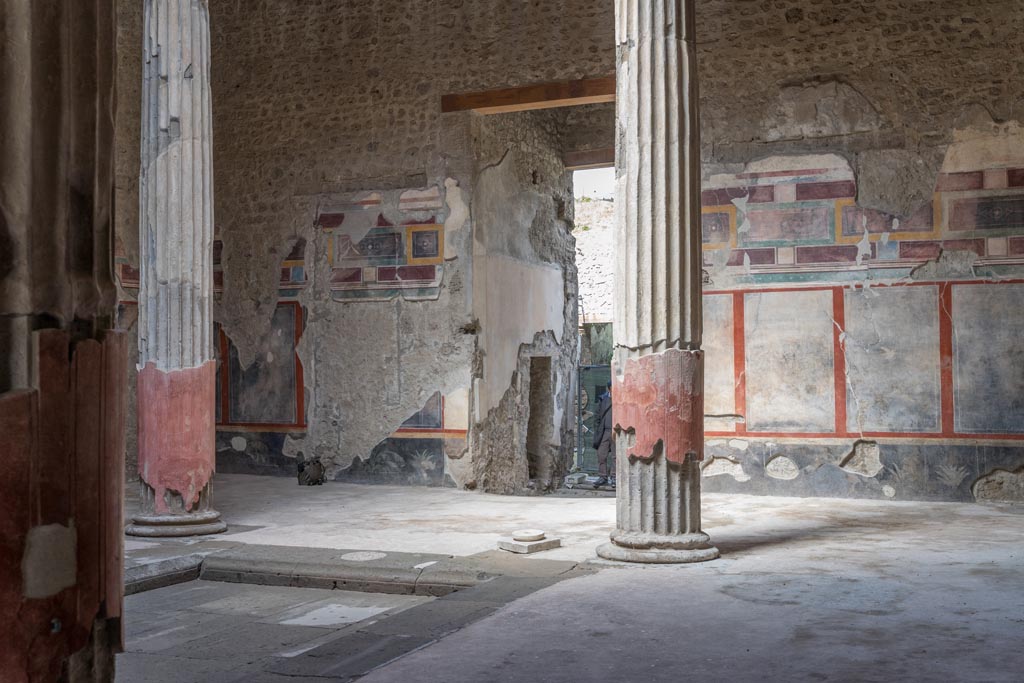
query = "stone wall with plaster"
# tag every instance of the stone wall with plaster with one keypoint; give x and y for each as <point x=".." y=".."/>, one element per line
<point x="347" y="324"/>
<point x="524" y="301"/>
<point x="867" y="352"/>
<point x="867" y="154"/>
<point x="863" y="222"/>
<point x="863" y="227"/>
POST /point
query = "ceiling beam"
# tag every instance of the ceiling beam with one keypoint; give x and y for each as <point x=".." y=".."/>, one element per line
<point x="538" y="96"/>
<point x="591" y="158"/>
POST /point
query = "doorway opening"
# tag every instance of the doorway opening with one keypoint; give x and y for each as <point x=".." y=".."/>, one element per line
<point x="542" y="416"/>
<point x="594" y="210"/>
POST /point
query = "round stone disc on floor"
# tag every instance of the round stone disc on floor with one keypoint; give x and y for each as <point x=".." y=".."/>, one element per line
<point x="528" y="535"/>
<point x="362" y="556"/>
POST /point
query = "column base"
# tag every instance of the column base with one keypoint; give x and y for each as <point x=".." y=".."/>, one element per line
<point x="187" y="524"/>
<point x="658" y="549"/>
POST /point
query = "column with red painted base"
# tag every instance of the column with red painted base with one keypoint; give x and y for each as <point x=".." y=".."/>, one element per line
<point x="177" y="371"/>
<point x="658" y="384"/>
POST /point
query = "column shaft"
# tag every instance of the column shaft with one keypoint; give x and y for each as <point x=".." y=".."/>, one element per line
<point x="658" y="365"/>
<point x="177" y="371"/>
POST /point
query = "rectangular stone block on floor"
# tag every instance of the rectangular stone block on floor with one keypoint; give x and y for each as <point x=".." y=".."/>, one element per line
<point x="528" y="547"/>
<point x="263" y="602"/>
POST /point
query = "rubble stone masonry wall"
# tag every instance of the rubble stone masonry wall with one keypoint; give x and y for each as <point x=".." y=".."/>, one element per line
<point x="862" y="215"/>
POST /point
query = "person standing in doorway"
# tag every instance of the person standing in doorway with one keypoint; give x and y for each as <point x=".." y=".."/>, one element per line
<point x="604" y="440"/>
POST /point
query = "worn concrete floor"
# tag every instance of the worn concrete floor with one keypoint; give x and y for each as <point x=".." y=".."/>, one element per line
<point x="276" y="511"/>
<point x="208" y="631"/>
<point x="807" y="589"/>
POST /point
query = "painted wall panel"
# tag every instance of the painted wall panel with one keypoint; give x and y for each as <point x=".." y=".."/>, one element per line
<point x="789" y="361"/>
<point x="264" y="392"/>
<point x="892" y="359"/>
<point x="988" y="359"/>
<point x="719" y="373"/>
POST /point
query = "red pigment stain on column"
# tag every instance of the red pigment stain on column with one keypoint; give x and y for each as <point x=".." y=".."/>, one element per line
<point x="176" y="430"/>
<point x="661" y="398"/>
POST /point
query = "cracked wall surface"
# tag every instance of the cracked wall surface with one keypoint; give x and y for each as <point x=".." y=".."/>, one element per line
<point x="524" y="298"/>
<point x="325" y="104"/>
<point x="862" y="227"/>
<point x="875" y="159"/>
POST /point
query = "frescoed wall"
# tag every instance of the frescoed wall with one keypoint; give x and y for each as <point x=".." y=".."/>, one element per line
<point x="853" y="353"/>
<point x="373" y="259"/>
<point x="862" y="205"/>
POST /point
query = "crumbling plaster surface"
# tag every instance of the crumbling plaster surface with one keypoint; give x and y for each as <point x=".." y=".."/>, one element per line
<point x="954" y="470"/>
<point x="887" y="80"/>
<point x="914" y="78"/>
<point x="891" y="97"/>
<point x="327" y="98"/>
<point x="884" y="84"/>
<point x="525" y="295"/>
<point x="370" y="366"/>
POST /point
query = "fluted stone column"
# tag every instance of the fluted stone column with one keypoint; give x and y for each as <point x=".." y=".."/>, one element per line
<point x="658" y="365"/>
<point x="177" y="372"/>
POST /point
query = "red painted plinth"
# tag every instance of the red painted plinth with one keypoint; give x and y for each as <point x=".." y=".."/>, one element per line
<point x="661" y="399"/>
<point x="176" y="431"/>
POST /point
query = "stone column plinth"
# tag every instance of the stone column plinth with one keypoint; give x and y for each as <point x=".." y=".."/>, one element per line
<point x="177" y="371"/>
<point x="657" y="392"/>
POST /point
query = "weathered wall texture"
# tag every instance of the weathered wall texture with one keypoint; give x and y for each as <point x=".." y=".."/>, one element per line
<point x="864" y="241"/>
<point x="864" y="244"/>
<point x="865" y="153"/>
<point x="524" y="298"/>
<point x="351" y="312"/>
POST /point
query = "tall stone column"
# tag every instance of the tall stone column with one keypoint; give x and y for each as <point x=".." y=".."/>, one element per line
<point x="177" y="372"/>
<point x="658" y="379"/>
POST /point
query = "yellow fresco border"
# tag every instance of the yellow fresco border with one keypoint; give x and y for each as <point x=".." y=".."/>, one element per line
<point x="727" y="209"/>
<point x="934" y="233"/>
<point x="410" y="230"/>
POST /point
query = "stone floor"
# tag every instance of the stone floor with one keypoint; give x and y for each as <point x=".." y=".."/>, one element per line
<point x="211" y="631"/>
<point x="806" y="589"/>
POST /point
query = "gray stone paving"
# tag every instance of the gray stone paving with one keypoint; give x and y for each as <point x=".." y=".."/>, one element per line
<point x="205" y="631"/>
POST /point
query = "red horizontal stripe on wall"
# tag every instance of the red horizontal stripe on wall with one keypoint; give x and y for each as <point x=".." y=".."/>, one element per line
<point x="416" y="272"/>
<point x="956" y="182"/>
<point x="331" y="220"/>
<point x="347" y="275"/>
<point x="833" y="254"/>
<point x="784" y="174"/>
<point x="920" y="250"/>
<point x="839" y="189"/>
<point x="758" y="257"/>
<point x="724" y="196"/>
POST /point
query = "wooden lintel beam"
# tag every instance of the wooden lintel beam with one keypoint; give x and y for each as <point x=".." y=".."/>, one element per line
<point x="591" y="158"/>
<point x="538" y="96"/>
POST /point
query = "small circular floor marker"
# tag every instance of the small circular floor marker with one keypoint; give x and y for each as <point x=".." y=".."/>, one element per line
<point x="528" y="535"/>
<point x="362" y="556"/>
